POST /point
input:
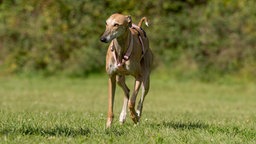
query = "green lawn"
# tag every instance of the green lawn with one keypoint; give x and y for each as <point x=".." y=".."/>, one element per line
<point x="65" y="110"/>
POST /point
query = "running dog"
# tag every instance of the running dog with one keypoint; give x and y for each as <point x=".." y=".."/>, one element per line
<point x="127" y="54"/>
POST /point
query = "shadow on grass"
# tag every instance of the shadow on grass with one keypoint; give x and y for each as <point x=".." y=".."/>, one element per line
<point x="230" y="130"/>
<point x="60" y="130"/>
<point x="55" y="131"/>
<point x="185" y="125"/>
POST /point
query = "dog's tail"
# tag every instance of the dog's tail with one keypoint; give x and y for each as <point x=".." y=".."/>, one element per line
<point x="141" y="21"/>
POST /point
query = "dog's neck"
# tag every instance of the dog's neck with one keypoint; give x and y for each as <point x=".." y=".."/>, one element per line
<point x="121" y="43"/>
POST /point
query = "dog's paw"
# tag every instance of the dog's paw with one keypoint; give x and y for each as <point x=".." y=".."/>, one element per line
<point x="135" y="118"/>
<point x="122" y="118"/>
<point x="109" y="123"/>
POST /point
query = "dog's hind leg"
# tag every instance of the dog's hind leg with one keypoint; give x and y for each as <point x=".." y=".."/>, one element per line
<point x="132" y="100"/>
<point x="144" y="88"/>
<point x="121" y="82"/>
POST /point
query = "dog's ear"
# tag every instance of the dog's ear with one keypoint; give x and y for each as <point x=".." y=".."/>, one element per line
<point x="129" y="20"/>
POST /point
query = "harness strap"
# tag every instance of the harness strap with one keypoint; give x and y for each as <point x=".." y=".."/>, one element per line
<point x="141" y="33"/>
<point x="127" y="55"/>
<point x="129" y="50"/>
<point x="143" y="48"/>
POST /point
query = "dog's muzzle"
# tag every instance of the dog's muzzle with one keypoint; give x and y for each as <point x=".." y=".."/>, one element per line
<point x="103" y="39"/>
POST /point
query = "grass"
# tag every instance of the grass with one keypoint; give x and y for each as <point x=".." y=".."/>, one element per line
<point x="64" y="110"/>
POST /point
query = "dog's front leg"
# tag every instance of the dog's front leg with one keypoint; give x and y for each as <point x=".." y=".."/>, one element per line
<point x="111" y="97"/>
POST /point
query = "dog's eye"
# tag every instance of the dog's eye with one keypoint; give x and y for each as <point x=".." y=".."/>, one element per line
<point x="116" y="24"/>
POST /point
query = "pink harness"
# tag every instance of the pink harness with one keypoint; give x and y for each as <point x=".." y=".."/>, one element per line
<point x="127" y="55"/>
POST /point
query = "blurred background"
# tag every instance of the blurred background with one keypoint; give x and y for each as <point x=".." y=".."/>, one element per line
<point x="191" y="39"/>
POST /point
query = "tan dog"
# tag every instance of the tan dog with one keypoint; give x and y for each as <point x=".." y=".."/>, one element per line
<point x="128" y="54"/>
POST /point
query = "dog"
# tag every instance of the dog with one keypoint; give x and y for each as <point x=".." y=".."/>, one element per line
<point x="127" y="54"/>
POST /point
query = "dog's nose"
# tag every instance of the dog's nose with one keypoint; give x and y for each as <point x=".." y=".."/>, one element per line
<point x="103" y="39"/>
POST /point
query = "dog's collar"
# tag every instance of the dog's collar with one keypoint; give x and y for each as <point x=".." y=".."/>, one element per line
<point x="126" y="56"/>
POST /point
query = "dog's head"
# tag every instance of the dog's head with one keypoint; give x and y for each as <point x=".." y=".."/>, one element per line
<point x="116" y="25"/>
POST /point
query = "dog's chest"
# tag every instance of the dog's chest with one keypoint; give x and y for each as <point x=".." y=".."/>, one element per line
<point x="115" y="68"/>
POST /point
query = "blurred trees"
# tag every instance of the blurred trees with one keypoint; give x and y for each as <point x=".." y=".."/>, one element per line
<point x="204" y="38"/>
